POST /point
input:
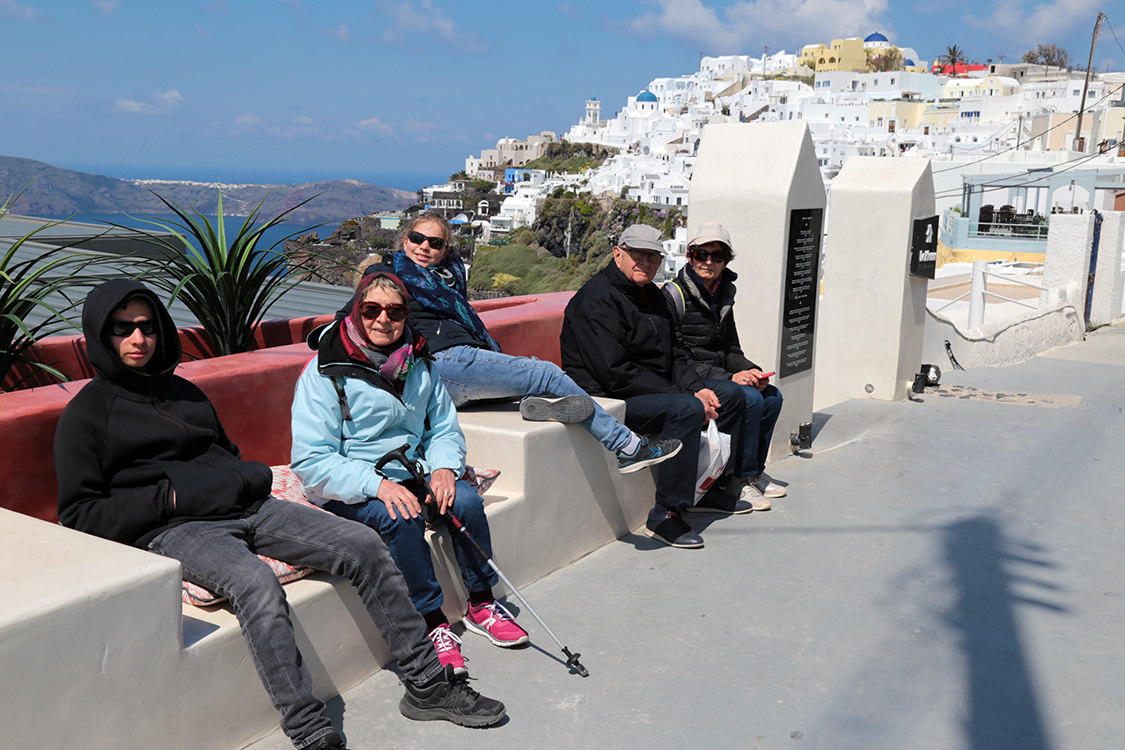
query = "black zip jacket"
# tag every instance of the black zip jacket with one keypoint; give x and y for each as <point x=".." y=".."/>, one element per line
<point x="709" y="339"/>
<point x="133" y="437"/>
<point x="617" y="340"/>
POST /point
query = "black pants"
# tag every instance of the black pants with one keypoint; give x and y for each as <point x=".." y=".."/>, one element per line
<point x="682" y="417"/>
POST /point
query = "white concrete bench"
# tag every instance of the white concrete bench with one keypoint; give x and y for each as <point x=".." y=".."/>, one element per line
<point x="99" y="652"/>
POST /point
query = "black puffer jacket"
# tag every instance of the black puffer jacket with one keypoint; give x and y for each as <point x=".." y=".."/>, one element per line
<point x="134" y="438"/>
<point x="707" y="335"/>
<point x="617" y="340"/>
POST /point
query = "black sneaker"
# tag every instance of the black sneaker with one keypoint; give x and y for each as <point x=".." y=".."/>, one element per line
<point x="648" y="453"/>
<point x="448" y="697"/>
<point x="668" y="526"/>
<point x="330" y="741"/>
<point x="715" y="501"/>
<point x="564" y="409"/>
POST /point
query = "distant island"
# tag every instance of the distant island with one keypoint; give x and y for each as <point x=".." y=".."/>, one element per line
<point x="54" y="191"/>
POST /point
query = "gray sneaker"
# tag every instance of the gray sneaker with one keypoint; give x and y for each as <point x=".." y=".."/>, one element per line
<point x="564" y="409"/>
<point x="766" y="487"/>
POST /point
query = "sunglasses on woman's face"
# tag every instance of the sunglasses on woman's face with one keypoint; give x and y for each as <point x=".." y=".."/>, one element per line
<point x="125" y="328"/>
<point x="372" y="311"/>
<point x="715" y="256"/>
<point x="436" y="243"/>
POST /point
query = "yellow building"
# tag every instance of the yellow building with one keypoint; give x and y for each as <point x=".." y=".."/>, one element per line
<point x="993" y="85"/>
<point x="842" y="54"/>
<point x="895" y="116"/>
<point x="935" y="120"/>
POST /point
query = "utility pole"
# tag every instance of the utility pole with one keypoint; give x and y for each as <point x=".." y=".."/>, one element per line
<point x="1086" y="86"/>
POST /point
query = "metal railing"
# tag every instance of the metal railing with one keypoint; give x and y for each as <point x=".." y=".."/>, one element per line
<point x="996" y="230"/>
<point x="979" y="288"/>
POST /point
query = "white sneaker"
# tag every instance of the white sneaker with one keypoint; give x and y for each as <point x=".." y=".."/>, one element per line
<point x="765" y="487"/>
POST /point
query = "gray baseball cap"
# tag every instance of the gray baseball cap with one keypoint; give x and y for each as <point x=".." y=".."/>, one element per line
<point x="642" y="237"/>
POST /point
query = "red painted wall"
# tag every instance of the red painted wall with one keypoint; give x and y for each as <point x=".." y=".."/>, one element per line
<point x="252" y="392"/>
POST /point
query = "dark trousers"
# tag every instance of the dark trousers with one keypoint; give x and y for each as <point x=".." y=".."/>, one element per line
<point x="759" y="415"/>
<point x="217" y="554"/>
<point x="682" y="417"/>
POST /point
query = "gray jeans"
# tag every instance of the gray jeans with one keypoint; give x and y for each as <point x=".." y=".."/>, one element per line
<point x="217" y="554"/>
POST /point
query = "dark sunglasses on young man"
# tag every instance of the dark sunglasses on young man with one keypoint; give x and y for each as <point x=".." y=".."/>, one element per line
<point x="126" y="327"/>
<point x="436" y="243"/>
<point x="717" y="256"/>
<point x="372" y="311"/>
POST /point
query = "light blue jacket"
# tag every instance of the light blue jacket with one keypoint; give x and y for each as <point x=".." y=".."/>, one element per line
<point x="335" y="468"/>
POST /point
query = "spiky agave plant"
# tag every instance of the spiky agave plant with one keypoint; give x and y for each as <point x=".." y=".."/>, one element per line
<point x="30" y="290"/>
<point x="228" y="288"/>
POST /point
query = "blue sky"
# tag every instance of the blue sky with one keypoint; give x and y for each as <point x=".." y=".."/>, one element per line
<point x="362" y="88"/>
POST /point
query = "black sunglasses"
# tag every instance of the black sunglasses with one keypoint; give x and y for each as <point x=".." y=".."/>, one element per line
<point x="372" y="311"/>
<point x="717" y="256"/>
<point x="126" y="327"/>
<point x="436" y="243"/>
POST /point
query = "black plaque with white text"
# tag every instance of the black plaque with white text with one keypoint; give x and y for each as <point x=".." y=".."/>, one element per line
<point x="923" y="248"/>
<point x="802" y="275"/>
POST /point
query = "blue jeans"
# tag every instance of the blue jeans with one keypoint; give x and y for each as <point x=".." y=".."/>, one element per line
<point x="217" y="554"/>
<point x="406" y="539"/>
<point x="472" y="374"/>
<point x="759" y="414"/>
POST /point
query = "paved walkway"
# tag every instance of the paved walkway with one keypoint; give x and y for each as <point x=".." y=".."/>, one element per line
<point x="945" y="574"/>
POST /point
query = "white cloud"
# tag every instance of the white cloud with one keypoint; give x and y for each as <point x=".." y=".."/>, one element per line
<point x="753" y="21"/>
<point x="13" y="9"/>
<point x="248" y="122"/>
<point x="411" y="18"/>
<point x="340" y="32"/>
<point x="136" y="108"/>
<point x="1028" y="22"/>
<point x="569" y="10"/>
<point x="170" y="98"/>
<point x="160" y="103"/>
<point x="201" y="31"/>
<point x="303" y="120"/>
<point x="107" y="6"/>
<point x="376" y="125"/>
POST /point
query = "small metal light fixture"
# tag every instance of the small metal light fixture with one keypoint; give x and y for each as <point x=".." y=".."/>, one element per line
<point x="801" y="440"/>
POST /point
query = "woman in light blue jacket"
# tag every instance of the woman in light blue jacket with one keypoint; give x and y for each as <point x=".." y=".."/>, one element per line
<point x="369" y="390"/>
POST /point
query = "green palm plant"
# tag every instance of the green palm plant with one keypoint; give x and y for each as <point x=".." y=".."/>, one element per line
<point x="30" y="290"/>
<point x="953" y="56"/>
<point x="228" y="288"/>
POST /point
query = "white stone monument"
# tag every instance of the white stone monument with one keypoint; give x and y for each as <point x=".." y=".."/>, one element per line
<point x="761" y="181"/>
<point x="873" y="312"/>
<point x="1105" y="304"/>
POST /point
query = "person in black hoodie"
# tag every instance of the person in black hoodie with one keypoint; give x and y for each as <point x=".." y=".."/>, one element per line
<point x="142" y="459"/>
<point x="617" y="340"/>
<point x="701" y="300"/>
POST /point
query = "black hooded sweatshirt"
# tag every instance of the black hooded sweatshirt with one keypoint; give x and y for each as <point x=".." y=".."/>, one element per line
<point x="134" y="436"/>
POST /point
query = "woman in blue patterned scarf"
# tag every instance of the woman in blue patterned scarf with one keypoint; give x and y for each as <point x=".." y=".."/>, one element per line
<point x="470" y="362"/>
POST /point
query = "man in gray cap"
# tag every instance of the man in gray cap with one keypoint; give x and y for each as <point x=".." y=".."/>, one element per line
<point x="618" y="341"/>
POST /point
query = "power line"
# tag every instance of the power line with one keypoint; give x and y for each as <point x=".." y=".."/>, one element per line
<point x="985" y="185"/>
<point x="1013" y="148"/>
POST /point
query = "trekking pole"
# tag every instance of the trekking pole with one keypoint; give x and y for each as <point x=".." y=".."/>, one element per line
<point x="425" y="494"/>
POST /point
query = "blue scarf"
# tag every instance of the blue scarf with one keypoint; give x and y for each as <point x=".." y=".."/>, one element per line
<point x="442" y="289"/>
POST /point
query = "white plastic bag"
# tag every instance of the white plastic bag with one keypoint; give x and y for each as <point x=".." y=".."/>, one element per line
<point x="714" y="452"/>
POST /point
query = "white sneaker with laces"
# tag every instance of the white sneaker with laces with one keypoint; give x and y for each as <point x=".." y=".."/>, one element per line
<point x="765" y="486"/>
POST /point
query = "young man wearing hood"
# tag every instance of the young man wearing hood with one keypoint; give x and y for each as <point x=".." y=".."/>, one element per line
<point x="142" y="459"/>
